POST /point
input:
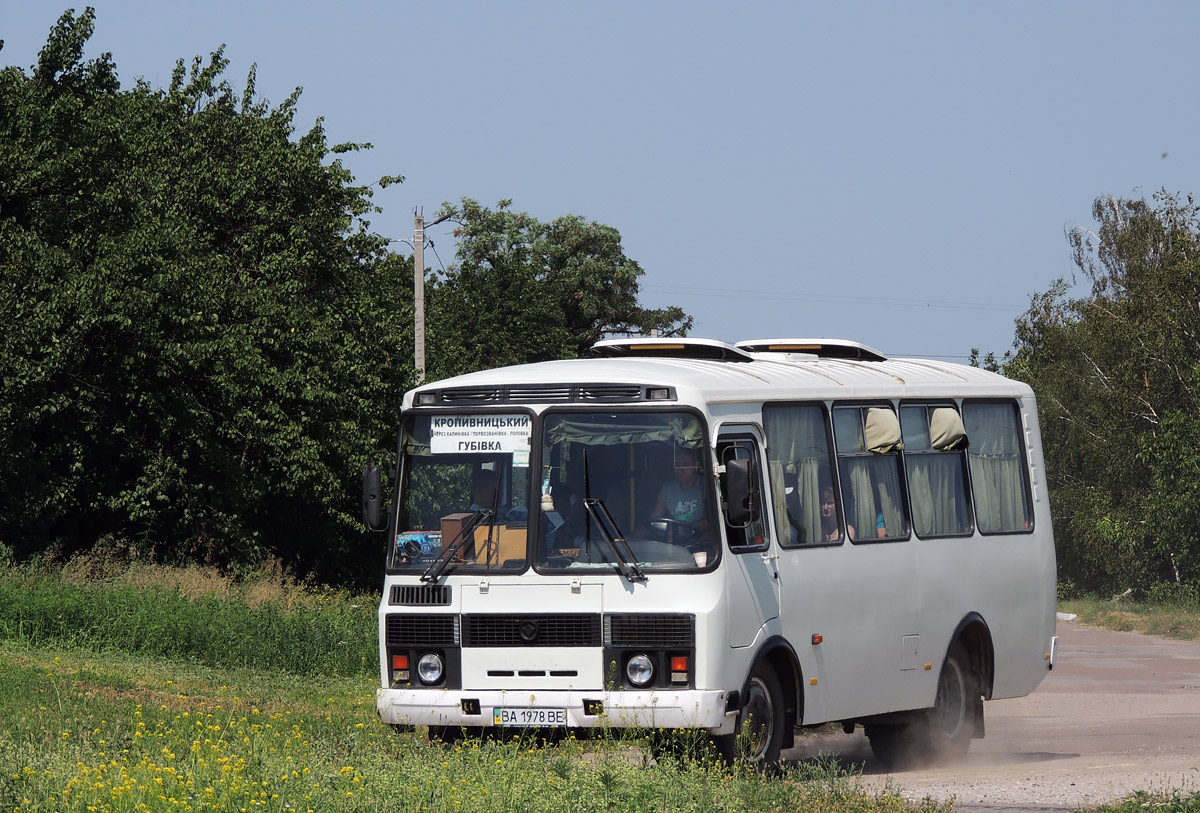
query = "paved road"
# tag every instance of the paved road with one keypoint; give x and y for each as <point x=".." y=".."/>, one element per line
<point x="1120" y="712"/>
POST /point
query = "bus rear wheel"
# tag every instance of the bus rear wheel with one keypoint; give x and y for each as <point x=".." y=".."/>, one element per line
<point x="758" y="738"/>
<point x="941" y="732"/>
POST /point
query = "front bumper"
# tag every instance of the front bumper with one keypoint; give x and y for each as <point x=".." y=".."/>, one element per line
<point x="621" y="709"/>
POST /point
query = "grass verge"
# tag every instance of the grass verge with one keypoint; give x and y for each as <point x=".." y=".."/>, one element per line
<point x="1141" y="802"/>
<point x="129" y="687"/>
<point x="82" y="731"/>
<point x="1169" y="620"/>
<point x="193" y="614"/>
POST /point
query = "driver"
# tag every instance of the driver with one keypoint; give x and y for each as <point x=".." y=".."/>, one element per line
<point x="682" y="499"/>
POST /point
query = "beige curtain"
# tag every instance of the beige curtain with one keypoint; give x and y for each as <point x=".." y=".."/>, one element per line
<point x="797" y="449"/>
<point x="889" y="499"/>
<point x="936" y="490"/>
<point x="920" y="495"/>
<point x="946" y="430"/>
<point x="862" y="512"/>
<point x="997" y="467"/>
<point x="882" y="431"/>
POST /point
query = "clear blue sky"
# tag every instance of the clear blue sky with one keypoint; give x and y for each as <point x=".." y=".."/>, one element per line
<point x="896" y="173"/>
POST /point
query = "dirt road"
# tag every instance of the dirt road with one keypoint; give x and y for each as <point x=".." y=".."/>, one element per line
<point x="1119" y="713"/>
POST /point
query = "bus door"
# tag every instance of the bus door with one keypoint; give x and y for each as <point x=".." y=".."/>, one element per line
<point x="752" y="588"/>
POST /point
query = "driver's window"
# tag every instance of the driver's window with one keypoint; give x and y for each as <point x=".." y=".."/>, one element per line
<point x="753" y="534"/>
<point x="629" y="485"/>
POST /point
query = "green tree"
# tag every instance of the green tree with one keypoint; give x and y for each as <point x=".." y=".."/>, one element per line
<point x="523" y="290"/>
<point x="1117" y="375"/>
<point x="199" y="326"/>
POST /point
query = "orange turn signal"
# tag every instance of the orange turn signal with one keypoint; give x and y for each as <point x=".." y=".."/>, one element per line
<point x="679" y="663"/>
<point x="400" y="662"/>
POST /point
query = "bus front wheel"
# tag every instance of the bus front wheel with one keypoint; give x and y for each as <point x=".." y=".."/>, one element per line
<point x="759" y="734"/>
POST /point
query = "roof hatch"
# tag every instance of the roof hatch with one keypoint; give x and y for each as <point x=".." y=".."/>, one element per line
<point x="670" y="348"/>
<point x="822" y="348"/>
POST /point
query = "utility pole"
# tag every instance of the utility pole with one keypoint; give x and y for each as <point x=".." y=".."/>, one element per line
<point x="419" y="289"/>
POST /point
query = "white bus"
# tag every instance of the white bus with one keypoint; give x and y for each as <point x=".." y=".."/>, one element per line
<point x="744" y="539"/>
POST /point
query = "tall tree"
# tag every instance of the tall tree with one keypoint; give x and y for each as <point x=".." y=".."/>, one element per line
<point x="523" y="290"/>
<point x="1117" y="374"/>
<point x="199" y="326"/>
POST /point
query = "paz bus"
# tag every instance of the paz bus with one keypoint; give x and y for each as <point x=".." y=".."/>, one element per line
<point x="745" y="539"/>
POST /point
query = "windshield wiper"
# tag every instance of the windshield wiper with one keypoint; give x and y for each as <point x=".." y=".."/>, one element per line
<point x="622" y="553"/>
<point x="465" y="534"/>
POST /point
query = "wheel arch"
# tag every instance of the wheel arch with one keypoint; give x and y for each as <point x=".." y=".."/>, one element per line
<point x="976" y="637"/>
<point x="781" y="657"/>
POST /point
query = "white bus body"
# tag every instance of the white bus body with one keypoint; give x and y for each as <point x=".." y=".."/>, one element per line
<point x="928" y="586"/>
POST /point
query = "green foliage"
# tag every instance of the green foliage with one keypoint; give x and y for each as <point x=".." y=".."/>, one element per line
<point x="199" y="328"/>
<point x="989" y="361"/>
<point x="523" y="290"/>
<point x="307" y="634"/>
<point x="1173" y="594"/>
<point x="1117" y="375"/>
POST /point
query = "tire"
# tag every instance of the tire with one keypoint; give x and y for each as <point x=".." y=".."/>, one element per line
<point x="951" y="721"/>
<point x="890" y="745"/>
<point x="938" y="733"/>
<point x="446" y="734"/>
<point x="760" y="722"/>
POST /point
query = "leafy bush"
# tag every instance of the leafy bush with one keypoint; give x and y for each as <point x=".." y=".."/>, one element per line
<point x="1174" y="594"/>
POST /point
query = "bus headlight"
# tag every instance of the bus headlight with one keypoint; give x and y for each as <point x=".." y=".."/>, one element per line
<point x="640" y="670"/>
<point x="429" y="668"/>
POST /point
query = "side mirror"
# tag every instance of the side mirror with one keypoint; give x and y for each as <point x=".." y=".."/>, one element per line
<point x="372" y="497"/>
<point x="740" y="503"/>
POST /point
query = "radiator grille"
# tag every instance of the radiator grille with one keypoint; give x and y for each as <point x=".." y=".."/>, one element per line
<point x="420" y="595"/>
<point x="650" y="630"/>
<point x="579" y="629"/>
<point x="419" y="630"/>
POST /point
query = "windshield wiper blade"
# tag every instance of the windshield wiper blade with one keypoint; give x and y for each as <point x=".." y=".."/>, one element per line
<point x="465" y="534"/>
<point x="622" y="553"/>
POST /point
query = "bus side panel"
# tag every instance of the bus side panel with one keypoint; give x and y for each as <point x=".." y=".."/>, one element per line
<point x="862" y="600"/>
<point x="1007" y="579"/>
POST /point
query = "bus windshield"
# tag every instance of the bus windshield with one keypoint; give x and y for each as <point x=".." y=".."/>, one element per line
<point x="464" y="496"/>
<point x="643" y="478"/>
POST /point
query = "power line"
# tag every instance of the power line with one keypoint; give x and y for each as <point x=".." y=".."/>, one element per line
<point x="794" y="296"/>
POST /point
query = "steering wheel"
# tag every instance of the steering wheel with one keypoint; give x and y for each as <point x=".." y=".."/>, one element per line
<point x="665" y="526"/>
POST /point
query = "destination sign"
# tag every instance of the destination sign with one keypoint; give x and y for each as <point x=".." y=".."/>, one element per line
<point x="480" y="434"/>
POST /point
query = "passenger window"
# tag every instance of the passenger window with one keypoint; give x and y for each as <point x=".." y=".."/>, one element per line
<point x="934" y="439"/>
<point x="868" y="451"/>
<point x="752" y="534"/>
<point x="999" y="476"/>
<point x="801" y="474"/>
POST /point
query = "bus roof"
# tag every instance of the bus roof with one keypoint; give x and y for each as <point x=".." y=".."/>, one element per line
<point x="700" y="371"/>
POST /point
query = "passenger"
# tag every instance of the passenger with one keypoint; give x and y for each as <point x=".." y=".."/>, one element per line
<point x="830" y="529"/>
<point x="682" y="499"/>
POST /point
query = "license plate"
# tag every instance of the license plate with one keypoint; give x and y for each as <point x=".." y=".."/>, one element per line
<point x="529" y="717"/>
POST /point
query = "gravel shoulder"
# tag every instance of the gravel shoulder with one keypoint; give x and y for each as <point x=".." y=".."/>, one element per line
<point x="1119" y="713"/>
